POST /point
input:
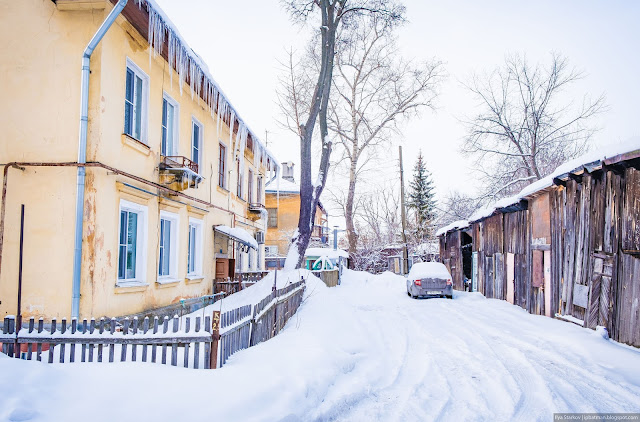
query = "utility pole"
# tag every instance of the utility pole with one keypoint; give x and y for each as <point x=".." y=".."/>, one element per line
<point x="405" y="254"/>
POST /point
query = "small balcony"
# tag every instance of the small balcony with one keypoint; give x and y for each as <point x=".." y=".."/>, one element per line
<point x="256" y="207"/>
<point x="179" y="173"/>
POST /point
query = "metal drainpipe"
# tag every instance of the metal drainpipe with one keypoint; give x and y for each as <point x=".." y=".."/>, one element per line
<point x="82" y="152"/>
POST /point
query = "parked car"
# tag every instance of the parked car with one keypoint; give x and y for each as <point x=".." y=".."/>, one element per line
<point x="429" y="279"/>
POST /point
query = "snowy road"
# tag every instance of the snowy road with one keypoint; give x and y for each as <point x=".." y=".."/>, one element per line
<point x="363" y="351"/>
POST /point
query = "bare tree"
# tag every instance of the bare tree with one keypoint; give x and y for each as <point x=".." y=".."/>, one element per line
<point x="522" y="133"/>
<point x="333" y="15"/>
<point x="374" y="90"/>
<point x="456" y="206"/>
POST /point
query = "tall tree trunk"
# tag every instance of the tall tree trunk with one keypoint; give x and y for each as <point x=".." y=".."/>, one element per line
<point x="348" y="212"/>
<point x="310" y="194"/>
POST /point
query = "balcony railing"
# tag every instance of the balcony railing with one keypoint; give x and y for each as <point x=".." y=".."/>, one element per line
<point x="256" y="207"/>
<point x="177" y="162"/>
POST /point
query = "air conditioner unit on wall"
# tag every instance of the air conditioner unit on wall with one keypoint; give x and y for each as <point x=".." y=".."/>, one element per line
<point x="260" y="237"/>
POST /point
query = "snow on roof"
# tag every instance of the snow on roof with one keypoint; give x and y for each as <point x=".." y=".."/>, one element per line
<point x="429" y="270"/>
<point x="284" y="185"/>
<point x="187" y="63"/>
<point x="238" y="234"/>
<point x="328" y="252"/>
<point x="460" y="224"/>
<point x="595" y="156"/>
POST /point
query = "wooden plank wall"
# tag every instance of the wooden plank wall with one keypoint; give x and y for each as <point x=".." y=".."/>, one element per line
<point x="595" y="252"/>
<point x="628" y="289"/>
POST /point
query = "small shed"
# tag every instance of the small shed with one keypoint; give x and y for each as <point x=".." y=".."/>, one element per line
<point x="567" y="246"/>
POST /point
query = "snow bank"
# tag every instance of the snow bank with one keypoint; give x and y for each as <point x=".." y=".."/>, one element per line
<point x="360" y="351"/>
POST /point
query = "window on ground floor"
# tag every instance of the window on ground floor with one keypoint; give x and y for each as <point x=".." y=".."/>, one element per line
<point x="131" y="244"/>
<point x="194" y="250"/>
<point x="168" y="244"/>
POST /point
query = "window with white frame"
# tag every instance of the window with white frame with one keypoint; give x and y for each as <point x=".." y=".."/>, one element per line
<point x="132" y="242"/>
<point x="135" y="102"/>
<point x="196" y="142"/>
<point x="168" y="245"/>
<point x="239" y="192"/>
<point x="250" y="186"/>
<point x="271" y="250"/>
<point x="169" y="126"/>
<point x="250" y="260"/>
<point x="194" y="250"/>
<point x="222" y="166"/>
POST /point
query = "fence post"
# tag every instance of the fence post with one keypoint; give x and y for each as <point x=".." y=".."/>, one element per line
<point x="215" y="337"/>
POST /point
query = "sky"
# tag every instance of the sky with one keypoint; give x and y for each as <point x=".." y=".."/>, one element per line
<point x="245" y="42"/>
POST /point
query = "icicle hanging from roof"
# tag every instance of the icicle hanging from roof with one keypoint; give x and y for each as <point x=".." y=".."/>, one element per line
<point x="187" y="63"/>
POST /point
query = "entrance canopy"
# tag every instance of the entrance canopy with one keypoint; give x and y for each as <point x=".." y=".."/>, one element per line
<point x="237" y="234"/>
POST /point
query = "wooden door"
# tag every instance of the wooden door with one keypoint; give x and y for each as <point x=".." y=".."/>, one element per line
<point x="546" y="265"/>
<point x="510" y="277"/>
<point x="222" y="268"/>
<point x="600" y="292"/>
<point x="499" y="276"/>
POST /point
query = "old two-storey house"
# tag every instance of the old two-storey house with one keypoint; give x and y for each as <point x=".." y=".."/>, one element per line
<point x="140" y="181"/>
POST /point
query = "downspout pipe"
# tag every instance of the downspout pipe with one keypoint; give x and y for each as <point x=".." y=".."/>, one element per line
<point x="82" y="152"/>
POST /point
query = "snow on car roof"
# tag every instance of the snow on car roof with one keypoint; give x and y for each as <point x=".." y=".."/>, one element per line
<point x="429" y="270"/>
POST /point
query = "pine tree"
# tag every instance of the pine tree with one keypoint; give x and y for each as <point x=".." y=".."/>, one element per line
<point x="422" y="200"/>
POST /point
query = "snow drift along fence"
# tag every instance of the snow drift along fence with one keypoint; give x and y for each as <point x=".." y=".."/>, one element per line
<point x="106" y="341"/>
<point x="240" y="328"/>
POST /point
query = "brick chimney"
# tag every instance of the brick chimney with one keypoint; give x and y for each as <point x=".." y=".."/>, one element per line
<point x="287" y="171"/>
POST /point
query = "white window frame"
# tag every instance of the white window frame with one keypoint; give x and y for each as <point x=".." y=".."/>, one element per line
<point x="225" y="170"/>
<point x="176" y="123"/>
<point x="271" y="250"/>
<point x="198" y="260"/>
<point x="196" y="122"/>
<point x="144" y="120"/>
<point x="141" y="242"/>
<point x="173" y="247"/>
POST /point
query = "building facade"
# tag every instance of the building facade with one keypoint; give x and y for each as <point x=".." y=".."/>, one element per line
<point x="168" y="160"/>
<point x="282" y="201"/>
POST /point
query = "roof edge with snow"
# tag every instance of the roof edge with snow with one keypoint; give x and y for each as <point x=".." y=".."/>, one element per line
<point x="589" y="162"/>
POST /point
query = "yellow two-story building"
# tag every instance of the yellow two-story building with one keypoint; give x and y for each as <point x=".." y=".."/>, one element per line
<point x="140" y="182"/>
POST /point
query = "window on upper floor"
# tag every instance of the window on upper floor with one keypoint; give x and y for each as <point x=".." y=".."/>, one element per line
<point x="239" y="192"/>
<point x="196" y="142"/>
<point x="272" y="217"/>
<point x="259" y="191"/>
<point x="250" y="187"/>
<point x="135" y="102"/>
<point x="132" y="242"/>
<point x="169" y="127"/>
<point x="222" y="166"/>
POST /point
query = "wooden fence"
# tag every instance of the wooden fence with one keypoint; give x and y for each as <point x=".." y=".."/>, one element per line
<point x="105" y="340"/>
<point x="241" y="328"/>
<point x="330" y="277"/>
<point x="154" y="340"/>
<point x="238" y="282"/>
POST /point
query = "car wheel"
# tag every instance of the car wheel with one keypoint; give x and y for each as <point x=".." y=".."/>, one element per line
<point x="450" y="297"/>
<point x="408" y="294"/>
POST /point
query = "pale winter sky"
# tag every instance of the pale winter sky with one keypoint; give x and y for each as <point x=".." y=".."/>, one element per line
<point x="244" y="41"/>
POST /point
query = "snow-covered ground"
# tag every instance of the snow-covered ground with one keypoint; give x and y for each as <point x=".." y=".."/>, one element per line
<point x="362" y="351"/>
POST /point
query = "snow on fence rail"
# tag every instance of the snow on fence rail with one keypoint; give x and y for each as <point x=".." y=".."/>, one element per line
<point x="155" y="342"/>
<point x="240" y="328"/>
<point x="89" y="342"/>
